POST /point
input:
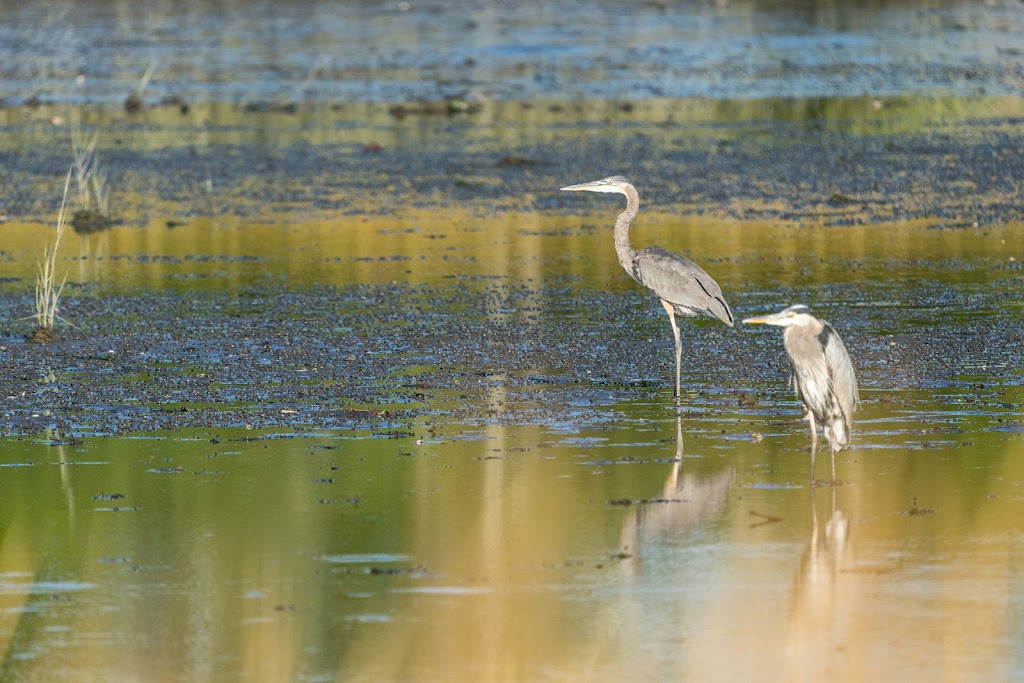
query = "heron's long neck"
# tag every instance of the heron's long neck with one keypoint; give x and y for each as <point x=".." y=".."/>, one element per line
<point x="622" y="248"/>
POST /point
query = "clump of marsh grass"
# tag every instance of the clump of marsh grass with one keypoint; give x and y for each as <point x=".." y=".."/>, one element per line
<point x="48" y="290"/>
<point x="133" y="102"/>
<point x="91" y="180"/>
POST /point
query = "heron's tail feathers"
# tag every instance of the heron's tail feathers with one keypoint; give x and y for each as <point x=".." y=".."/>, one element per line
<point x="720" y="309"/>
<point x="837" y="431"/>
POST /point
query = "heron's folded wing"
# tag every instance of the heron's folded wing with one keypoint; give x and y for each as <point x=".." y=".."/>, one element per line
<point x="844" y="379"/>
<point x="811" y="376"/>
<point x="680" y="281"/>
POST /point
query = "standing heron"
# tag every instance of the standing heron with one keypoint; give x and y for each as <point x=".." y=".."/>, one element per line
<point x="680" y="284"/>
<point x="823" y="376"/>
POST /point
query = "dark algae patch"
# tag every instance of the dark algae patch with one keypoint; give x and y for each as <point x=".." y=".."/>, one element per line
<point x="915" y="159"/>
<point x="349" y="358"/>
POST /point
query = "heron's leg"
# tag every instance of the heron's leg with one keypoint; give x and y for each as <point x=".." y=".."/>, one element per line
<point x="671" y="310"/>
<point x="814" y="428"/>
<point x="814" y="440"/>
<point x="833" y="452"/>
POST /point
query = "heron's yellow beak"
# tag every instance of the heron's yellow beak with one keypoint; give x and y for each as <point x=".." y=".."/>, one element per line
<point x="612" y="185"/>
<point x="757" y="320"/>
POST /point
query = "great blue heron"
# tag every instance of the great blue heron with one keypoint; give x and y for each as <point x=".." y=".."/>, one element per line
<point x="680" y="284"/>
<point x="823" y="375"/>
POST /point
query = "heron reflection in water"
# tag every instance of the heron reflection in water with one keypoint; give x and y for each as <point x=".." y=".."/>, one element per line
<point x="823" y="587"/>
<point x="680" y="284"/>
<point x="685" y="503"/>
<point x="823" y="375"/>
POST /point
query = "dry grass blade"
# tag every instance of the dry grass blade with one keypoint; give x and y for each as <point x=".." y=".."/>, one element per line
<point x="99" y="190"/>
<point x="133" y="102"/>
<point x="91" y="181"/>
<point x="84" y="164"/>
<point x="48" y="291"/>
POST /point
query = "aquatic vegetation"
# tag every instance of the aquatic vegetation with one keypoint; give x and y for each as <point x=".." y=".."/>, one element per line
<point x="133" y="102"/>
<point x="47" y="290"/>
<point x="91" y="182"/>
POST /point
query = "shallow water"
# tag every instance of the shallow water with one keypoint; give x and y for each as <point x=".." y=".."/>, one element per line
<point x="562" y="552"/>
<point x="264" y="51"/>
<point x="538" y="515"/>
<point x="354" y="393"/>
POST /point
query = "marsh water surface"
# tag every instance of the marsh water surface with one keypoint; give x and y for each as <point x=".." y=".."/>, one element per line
<point x="351" y="392"/>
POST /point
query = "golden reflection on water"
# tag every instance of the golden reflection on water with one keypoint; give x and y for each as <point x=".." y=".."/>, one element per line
<point x="654" y="551"/>
<point x="531" y="248"/>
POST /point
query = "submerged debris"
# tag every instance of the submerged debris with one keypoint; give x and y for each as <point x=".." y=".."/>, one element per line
<point x="915" y="511"/>
<point x="88" y="221"/>
<point x="42" y="335"/>
<point x="644" y="501"/>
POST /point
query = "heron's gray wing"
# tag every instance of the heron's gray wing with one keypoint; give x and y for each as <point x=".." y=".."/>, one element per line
<point x="811" y="376"/>
<point x="680" y="281"/>
<point x="844" y="379"/>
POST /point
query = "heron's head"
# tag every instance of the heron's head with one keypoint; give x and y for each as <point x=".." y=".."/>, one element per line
<point x="794" y="316"/>
<point x="615" y="183"/>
